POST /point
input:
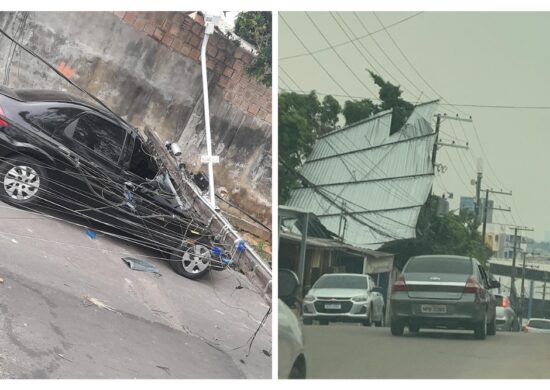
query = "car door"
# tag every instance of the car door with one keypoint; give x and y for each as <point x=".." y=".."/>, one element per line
<point x="491" y="301"/>
<point x="95" y="144"/>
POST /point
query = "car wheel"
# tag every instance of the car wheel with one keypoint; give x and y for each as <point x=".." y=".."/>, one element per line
<point x="397" y="328"/>
<point x="307" y="321"/>
<point x="414" y="328"/>
<point x="480" y="329"/>
<point x="23" y="180"/>
<point x="298" y="369"/>
<point x="492" y="327"/>
<point x="193" y="259"/>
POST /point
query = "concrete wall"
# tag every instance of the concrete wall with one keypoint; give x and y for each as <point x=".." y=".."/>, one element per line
<point x="146" y="67"/>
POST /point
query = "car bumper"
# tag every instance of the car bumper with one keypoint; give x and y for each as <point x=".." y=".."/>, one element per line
<point x="461" y="313"/>
<point x="357" y="312"/>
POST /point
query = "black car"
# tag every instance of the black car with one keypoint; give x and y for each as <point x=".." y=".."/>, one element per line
<point x="59" y="151"/>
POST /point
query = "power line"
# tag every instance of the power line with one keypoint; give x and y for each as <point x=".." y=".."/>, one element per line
<point x="311" y="53"/>
<point x="338" y="54"/>
<point x="316" y="60"/>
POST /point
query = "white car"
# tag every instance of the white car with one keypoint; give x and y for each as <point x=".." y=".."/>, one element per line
<point x="537" y="325"/>
<point x="344" y="297"/>
<point x="292" y="361"/>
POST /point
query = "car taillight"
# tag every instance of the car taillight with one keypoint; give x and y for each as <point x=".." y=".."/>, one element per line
<point x="399" y="285"/>
<point x="505" y="302"/>
<point x="3" y="123"/>
<point x="472" y="286"/>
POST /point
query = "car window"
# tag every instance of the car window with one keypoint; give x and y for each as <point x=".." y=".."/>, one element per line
<point x="539" y="324"/>
<point x="439" y="265"/>
<point x="142" y="162"/>
<point x="99" y="135"/>
<point x="484" y="277"/>
<point x="342" y="281"/>
<point x="49" y="118"/>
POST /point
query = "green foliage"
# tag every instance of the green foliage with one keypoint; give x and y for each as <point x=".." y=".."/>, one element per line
<point x="297" y="125"/>
<point x="302" y="118"/>
<point x="354" y="111"/>
<point x="449" y="234"/>
<point x="256" y="28"/>
<point x="328" y="114"/>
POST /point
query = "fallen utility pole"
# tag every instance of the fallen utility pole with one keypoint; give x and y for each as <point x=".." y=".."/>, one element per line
<point x="486" y="208"/>
<point x="249" y="262"/>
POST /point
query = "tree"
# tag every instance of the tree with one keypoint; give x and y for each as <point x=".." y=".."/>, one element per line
<point x="297" y="131"/>
<point x="354" y="111"/>
<point x="328" y="115"/>
<point x="390" y="96"/>
<point x="440" y="234"/>
<point x="256" y="28"/>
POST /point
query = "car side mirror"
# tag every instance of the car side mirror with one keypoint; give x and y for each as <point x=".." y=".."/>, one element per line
<point x="288" y="284"/>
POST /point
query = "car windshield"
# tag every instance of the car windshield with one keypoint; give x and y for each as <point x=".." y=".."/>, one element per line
<point x="539" y="324"/>
<point x="341" y="281"/>
<point x="439" y="265"/>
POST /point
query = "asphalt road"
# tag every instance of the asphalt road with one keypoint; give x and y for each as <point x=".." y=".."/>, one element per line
<point x="355" y="352"/>
<point x="162" y="326"/>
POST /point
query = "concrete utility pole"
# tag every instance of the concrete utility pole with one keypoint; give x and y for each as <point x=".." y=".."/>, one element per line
<point x="544" y="294"/>
<point x="439" y="119"/>
<point x="478" y="187"/>
<point x="486" y="208"/>
<point x="211" y="21"/>
<point x="522" y="290"/>
<point x="513" y="275"/>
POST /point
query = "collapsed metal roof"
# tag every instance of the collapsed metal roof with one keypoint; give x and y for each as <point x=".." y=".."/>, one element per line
<point x="366" y="185"/>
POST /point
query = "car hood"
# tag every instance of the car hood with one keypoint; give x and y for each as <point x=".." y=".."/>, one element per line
<point x="336" y="292"/>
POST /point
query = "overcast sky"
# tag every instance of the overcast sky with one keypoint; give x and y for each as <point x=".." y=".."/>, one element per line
<point x="467" y="58"/>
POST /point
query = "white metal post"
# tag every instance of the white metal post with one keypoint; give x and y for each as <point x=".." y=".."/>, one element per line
<point x="209" y="29"/>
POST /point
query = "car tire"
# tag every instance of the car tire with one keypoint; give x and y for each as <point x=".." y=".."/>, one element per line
<point x="480" y="329"/>
<point x="307" y="321"/>
<point x="397" y="328"/>
<point x="492" y="327"/>
<point x="185" y="264"/>
<point x="23" y="180"/>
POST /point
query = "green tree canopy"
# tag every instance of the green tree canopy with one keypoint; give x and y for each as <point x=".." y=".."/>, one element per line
<point x="256" y="28"/>
<point x="440" y="234"/>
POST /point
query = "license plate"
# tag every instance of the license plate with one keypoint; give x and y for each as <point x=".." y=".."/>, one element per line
<point x="438" y="309"/>
<point x="333" y="306"/>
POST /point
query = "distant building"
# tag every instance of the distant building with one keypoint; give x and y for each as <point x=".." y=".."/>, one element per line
<point x="468" y="205"/>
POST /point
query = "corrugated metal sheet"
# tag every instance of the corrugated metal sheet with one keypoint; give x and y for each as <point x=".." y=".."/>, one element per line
<point x="369" y="185"/>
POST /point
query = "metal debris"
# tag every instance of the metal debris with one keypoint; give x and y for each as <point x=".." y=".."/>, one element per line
<point x="140" y="265"/>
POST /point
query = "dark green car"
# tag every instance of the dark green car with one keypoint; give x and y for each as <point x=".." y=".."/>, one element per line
<point x="443" y="291"/>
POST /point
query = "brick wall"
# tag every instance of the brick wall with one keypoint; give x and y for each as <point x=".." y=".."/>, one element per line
<point x="225" y="59"/>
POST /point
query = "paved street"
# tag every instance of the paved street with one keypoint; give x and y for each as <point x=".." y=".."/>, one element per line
<point x="348" y="351"/>
<point x="160" y="327"/>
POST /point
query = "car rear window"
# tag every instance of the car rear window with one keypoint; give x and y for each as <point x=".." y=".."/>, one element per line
<point x="539" y="324"/>
<point x="439" y="265"/>
<point x="341" y="281"/>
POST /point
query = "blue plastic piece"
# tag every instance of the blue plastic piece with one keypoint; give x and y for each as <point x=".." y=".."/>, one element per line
<point x="226" y="261"/>
<point x="91" y="234"/>
<point x="216" y="251"/>
<point x="241" y="246"/>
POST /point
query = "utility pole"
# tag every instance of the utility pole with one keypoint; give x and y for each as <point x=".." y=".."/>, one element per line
<point x="437" y="126"/>
<point x="486" y="208"/>
<point x="544" y="294"/>
<point x="513" y="274"/>
<point x="478" y="188"/>
<point x="522" y="290"/>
